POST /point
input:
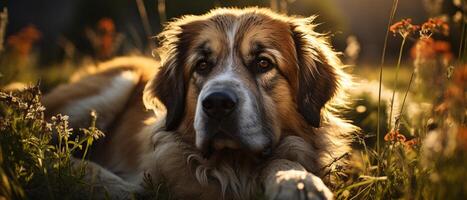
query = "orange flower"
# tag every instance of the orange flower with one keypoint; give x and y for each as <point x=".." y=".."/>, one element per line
<point x="23" y="41"/>
<point x="428" y="48"/>
<point x="106" y="36"/>
<point x="394" y="136"/>
<point x="403" y="27"/>
<point x="434" y="25"/>
<point x="401" y="138"/>
<point x="389" y="136"/>
<point x="106" y="25"/>
<point x="409" y="144"/>
<point x="423" y="48"/>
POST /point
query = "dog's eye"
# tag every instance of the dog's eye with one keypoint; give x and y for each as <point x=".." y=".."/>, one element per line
<point x="202" y="67"/>
<point x="263" y="64"/>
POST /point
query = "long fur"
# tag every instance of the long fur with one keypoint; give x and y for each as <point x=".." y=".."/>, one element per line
<point x="301" y="105"/>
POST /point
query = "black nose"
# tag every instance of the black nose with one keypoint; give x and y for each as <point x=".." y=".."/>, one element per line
<point x="219" y="104"/>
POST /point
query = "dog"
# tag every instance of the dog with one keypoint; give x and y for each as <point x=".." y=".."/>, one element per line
<point x="242" y="102"/>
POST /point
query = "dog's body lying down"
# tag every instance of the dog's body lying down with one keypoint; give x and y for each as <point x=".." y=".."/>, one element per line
<point x="240" y="104"/>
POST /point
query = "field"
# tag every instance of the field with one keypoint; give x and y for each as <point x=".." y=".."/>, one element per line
<point x="412" y="115"/>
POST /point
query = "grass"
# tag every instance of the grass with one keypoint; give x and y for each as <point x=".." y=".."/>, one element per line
<point x="368" y="72"/>
<point x="430" y="165"/>
<point x="424" y="168"/>
<point x="31" y="167"/>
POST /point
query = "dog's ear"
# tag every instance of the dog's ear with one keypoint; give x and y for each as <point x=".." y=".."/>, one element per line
<point x="168" y="86"/>
<point x="317" y="77"/>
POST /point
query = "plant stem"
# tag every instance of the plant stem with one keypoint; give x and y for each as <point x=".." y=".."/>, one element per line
<point x="461" y="46"/>
<point x="406" y="92"/>
<point x="395" y="81"/>
<point x="465" y="45"/>
<point x="161" y="9"/>
<point x="145" y="20"/>
<point x="378" y="129"/>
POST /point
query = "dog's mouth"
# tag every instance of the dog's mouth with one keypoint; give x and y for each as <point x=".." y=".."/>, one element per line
<point x="220" y="141"/>
<point x="222" y="144"/>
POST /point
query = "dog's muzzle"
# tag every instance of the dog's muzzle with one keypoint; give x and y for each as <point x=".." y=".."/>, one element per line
<point x="219" y="122"/>
<point x="220" y="104"/>
<point x="227" y="119"/>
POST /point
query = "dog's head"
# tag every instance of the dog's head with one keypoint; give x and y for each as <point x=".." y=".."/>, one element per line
<point x="241" y="79"/>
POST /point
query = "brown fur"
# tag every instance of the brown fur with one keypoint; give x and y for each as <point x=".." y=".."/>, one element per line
<point x="297" y="99"/>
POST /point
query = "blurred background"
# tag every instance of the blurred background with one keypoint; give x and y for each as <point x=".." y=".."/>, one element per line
<point x="47" y="40"/>
<point x="59" y="30"/>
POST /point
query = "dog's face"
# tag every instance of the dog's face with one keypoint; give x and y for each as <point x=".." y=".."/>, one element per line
<point x="241" y="79"/>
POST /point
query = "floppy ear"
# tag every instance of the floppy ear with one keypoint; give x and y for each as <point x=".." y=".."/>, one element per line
<point x="168" y="86"/>
<point x="317" y="79"/>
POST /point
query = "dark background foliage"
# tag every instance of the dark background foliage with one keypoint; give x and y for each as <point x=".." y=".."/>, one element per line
<point x="366" y="19"/>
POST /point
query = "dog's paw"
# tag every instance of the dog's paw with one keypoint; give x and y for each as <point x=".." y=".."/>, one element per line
<point x="297" y="185"/>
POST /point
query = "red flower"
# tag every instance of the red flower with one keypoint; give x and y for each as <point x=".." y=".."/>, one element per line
<point x="428" y="48"/>
<point x="409" y="144"/>
<point x="394" y="136"/>
<point x="23" y="41"/>
<point x="434" y="25"/>
<point x="403" y="27"/>
<point x="106" y="25"/>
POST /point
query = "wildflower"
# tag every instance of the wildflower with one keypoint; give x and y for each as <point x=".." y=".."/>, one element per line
<point x="93" y="114"/>
<point x="105" y="39"/>
<point x="23" y="41"/>
<point x="61" y="125"/>
<point x="428" y="48"/>
<point x="404" y="27"/>
<point x="48" y="126"/>
<point x="394" y="136"/>
<point x="409" y="144"/>
<point x="106" y="25"/>
<point x="424" y="49"/>
<point x="389" y="136"/>
<point x="434" y="25"/>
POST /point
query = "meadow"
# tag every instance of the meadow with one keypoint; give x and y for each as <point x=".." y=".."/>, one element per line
<point x="412" y="115"/>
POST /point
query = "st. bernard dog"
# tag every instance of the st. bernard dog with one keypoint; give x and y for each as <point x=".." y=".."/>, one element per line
<point x="243" y="102"/>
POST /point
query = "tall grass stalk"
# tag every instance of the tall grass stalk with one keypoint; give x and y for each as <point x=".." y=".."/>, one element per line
<point x="161" y="9"/>
<point x="383" y="56"/>
<point x="464" y="35"/>
<point x="405" y="95"/>
<point x="396" y="78"/>
<point x="461" y="45"/>
<point x="145" y="19"/>
<point x="3" y="23"/>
